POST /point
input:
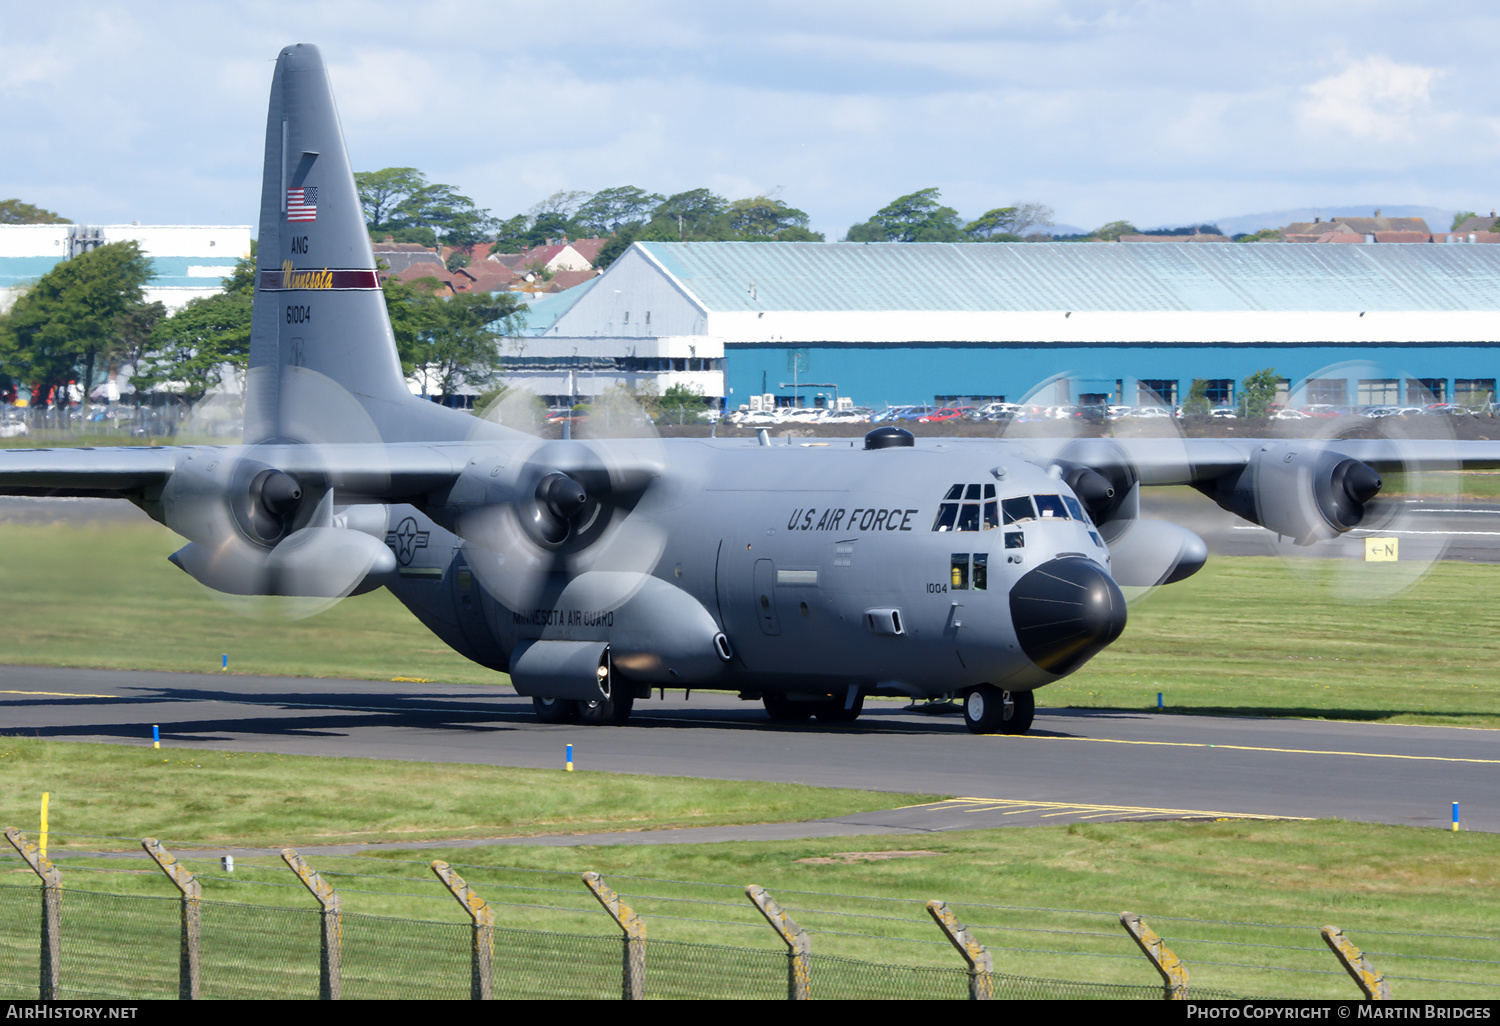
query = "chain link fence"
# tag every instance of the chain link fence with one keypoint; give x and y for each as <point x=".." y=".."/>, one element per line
<point x="118" y="947"/>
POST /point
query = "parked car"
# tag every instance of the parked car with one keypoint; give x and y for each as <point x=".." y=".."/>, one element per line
<point x="944" y="414"/>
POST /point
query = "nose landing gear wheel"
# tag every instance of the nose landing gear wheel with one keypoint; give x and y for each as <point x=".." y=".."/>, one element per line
<point x="990" y="710"/>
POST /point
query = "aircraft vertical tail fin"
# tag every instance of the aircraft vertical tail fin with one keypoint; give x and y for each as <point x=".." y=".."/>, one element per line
<point x="319" y="313"/>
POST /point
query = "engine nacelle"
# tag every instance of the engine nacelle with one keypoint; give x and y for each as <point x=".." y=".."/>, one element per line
<point x="574" y="670"/>
<point x="255" y="531"/>
<point x="1305" y="492"/>
<point x="658" y="633"/>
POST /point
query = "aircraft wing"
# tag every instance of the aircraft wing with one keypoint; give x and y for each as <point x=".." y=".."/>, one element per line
<point x="113" y="472"/>
<point x="369" y="473"/>
<point x="1201" y="461"/>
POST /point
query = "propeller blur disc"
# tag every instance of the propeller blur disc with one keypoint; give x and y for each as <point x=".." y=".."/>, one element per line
<point x="1394" y="544"/>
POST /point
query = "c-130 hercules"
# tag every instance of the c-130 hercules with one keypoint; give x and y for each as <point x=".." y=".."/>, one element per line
<point x="597" y="571"/>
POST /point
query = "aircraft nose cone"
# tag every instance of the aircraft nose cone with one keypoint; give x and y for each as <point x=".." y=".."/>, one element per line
<point x="1065" y="612"/>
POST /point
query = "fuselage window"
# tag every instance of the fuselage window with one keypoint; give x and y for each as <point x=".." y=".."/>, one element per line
<point x="964" y="574"/>
<point x="959" y="571"/>
<point x="1051" y="507"/>
<point x="1015" y="539"/>
<point x="1018" y="509"/>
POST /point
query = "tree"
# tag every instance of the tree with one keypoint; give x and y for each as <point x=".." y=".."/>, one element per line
<point x="189" y="351"/>
<point x="681" y="403"/>
<point x="1460" y="217"/>
<point x="918" y="217"/>
<point x="448" y="342"/>
<point x="512" y="406"/>
<point x="1112" y="231"/>
<point x="134" y="331"/>
<point x="609" y="210"/>
<point x="13" y="211"/>
<point x="381" y="192"/>
<point x="1187" y="229"/>
<point x="698" y="214"/>
<point x="763" y="219"/>
<point x="1258" y="392"/>
<point x="1197" y="404"/>
<point x="56" y="332"/>
<point x="1009" y="224"/>
<point x="510" y="236"/>
<point x="400" y="202"/>
<point x="544" y="227"/>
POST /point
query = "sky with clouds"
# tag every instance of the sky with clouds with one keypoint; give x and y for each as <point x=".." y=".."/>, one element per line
<point x="1155" y="112"/>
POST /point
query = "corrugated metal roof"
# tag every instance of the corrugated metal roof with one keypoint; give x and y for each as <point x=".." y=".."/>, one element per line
<point x="1208" y="276"/>
<point x="544" y="312"/>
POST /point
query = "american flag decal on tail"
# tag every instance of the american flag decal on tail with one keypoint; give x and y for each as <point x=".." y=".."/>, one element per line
<point x="302" y="204"/>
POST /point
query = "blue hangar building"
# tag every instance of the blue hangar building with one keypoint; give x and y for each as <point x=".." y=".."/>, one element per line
<point x="1126" y="323"/>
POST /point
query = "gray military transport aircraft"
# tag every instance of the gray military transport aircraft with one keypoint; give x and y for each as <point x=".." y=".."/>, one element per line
<point x="595" y="572"/>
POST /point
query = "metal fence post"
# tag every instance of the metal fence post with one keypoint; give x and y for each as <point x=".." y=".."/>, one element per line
<point x="1174" y="975"/>
<point x="192" y="899"/>
<point x="331" y="949"/>
<point x="798" y="945"/>
<point x="1365" y="976"/>
<point x="50" y="956"/>
<point x="633" y="969"/>
<point x="482" y="951"/>
<point x="981" y="964"/>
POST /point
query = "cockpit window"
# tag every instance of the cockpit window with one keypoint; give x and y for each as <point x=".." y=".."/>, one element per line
<point x="1051" y="507"/>
<point x="1018" y="509"/>
<point x="1075" y="509"/>
<point x="970" y="507"/>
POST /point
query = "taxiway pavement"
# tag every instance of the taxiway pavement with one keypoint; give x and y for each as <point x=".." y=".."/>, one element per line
<point x="1075" y="765"/>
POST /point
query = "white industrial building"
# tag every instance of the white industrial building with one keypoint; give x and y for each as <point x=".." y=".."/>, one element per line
<point x="189" y="260"/>
<point x="1066" y="322"/>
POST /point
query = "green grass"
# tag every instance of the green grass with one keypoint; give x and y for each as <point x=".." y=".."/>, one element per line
<point x="1247" y="636"/>
<point x="268" y="800"/>
<point x="104" y="596"/>
<point x="1227" y="896"/>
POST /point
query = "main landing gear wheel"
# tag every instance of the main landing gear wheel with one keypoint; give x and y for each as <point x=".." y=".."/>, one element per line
<point x="987" y="711"/>
<point x="611" y="712"/>
<point x="555" y="710"/>
<point x="833" y="711"/>
<point x="783" y="710"/>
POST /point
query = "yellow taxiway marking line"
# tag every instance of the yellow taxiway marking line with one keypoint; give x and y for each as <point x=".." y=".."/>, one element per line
<point x="1016" y="806"/>
<point x="56" y="694"/>
<point x="1275" y="751"/>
